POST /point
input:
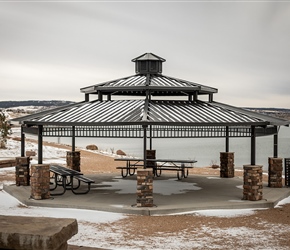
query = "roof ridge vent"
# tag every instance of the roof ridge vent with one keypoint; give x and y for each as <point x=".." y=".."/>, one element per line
<point x="148" y="63"/>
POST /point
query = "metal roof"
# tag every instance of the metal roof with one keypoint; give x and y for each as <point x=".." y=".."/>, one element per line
<point x="148" y="56"/>
<point x="157" y="84"/>
<point x="154" y="112"/>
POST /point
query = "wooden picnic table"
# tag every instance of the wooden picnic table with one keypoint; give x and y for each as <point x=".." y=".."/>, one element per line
<point x="180" y="166"/>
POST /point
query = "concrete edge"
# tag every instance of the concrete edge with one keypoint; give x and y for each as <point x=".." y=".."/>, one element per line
<point x="158" y="210"/>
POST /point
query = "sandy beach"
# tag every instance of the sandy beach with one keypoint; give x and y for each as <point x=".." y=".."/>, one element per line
<point x="260" y="229"/>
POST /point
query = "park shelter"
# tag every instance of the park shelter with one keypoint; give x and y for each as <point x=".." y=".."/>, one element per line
<point x="150" y="105"/>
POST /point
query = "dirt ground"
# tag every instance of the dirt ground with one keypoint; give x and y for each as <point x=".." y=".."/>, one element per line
<point x="266" y="229"/>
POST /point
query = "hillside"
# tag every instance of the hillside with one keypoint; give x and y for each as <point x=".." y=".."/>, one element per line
<point x="276" y="112"/>
<point x="13" y="104"/>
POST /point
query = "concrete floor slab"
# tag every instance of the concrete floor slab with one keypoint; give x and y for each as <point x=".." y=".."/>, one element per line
<point x="112" y="193"/>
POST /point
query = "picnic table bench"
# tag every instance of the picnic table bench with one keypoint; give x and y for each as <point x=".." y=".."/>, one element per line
<point x="180" y="166"/>
<point x="131" y="166"/>
<point x="64" y="177"/>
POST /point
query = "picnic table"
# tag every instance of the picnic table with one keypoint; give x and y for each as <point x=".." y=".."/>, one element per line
<point x="64" y="177"/>
<point x="180" y="166"/>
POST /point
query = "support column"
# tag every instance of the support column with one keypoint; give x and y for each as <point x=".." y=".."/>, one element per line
<point x="275" y="151"/>
<point x="227" y="139"/>
<point x="253" y="183"/>
<point x="40" y="181"/>
<point x="275" y="170"/>
<point x="73" y="143"/>
<point x="150" y="138"/>
<point x="22" y="174"/>
<point x="227" y="166"/>
<point x="145" y="145"/>
<point x="73" y="160"/>
<point x="40" y="144"/>
<point x="253" y="145"/>
<point x="144" y="188"/>
<point x="22" y="142"/>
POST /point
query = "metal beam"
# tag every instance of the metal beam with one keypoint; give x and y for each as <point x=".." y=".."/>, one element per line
<point x="30" y="130"/>
<point x="73" y="139"/>
<point x="40" y="144"/>
<point x="275" y="153"/>
<point x="253" y="145"/>
<point x="22" y="142"/>
<point x="145" y="145"/>
<point x="150" y="138"/>
<point x="227" y="139"/>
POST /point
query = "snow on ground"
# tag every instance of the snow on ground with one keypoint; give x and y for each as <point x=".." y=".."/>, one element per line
<point x="50" y="154"/>
<point x="95" y="232"/>
<point x="11" y="206"/>
<point x="283" y="202"/>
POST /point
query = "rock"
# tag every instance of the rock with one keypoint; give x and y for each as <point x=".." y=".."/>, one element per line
<point x="36" y="233"/>
<point x="214" y="166"/>
<point x="92" y="147"/>
<point x="30" y="153"/>
<point x="120" y="152"/>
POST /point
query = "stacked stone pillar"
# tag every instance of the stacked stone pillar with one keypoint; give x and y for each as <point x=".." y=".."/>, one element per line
<point x="144" y="188"/>
<point x="151" y="154"/>
<point x="275" y="169"/>
<point x="253" y="182"/>
<point x="73" y="160"/>
<point x="22" y="175"/>
<point x="40" y="181"/>
<point x="227" y="167"/>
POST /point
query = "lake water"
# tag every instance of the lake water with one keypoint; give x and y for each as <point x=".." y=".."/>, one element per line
<point x="204" y="150"/>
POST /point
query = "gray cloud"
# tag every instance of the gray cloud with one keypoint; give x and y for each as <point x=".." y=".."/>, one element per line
<point x="51" y="50"/>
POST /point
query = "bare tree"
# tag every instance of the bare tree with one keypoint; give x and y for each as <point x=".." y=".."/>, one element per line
<point x="5" y="129"/>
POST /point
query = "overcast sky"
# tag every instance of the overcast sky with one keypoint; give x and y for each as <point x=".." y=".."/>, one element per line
<point x="49" y="49"/>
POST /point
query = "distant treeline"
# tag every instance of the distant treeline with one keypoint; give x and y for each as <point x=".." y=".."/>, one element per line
<point x="12" y="104"/>
<point x="270" y="109"/>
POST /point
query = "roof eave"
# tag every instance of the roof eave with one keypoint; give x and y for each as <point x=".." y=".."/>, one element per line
<point x="146" y="123"/>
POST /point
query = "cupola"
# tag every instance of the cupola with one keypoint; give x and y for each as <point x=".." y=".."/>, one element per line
<point x="148" y="63"/>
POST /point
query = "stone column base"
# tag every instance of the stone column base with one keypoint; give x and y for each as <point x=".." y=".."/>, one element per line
<point x="145" y="188"/>
<point x="151" y="154"/>
<point x="40" y="179"/>
<point x="275" y="172"/>
<point x="22" y="175"/>
<point x="253" y="183"/>
<point x="227" y="169"/>
<point x="73" y="160"/>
